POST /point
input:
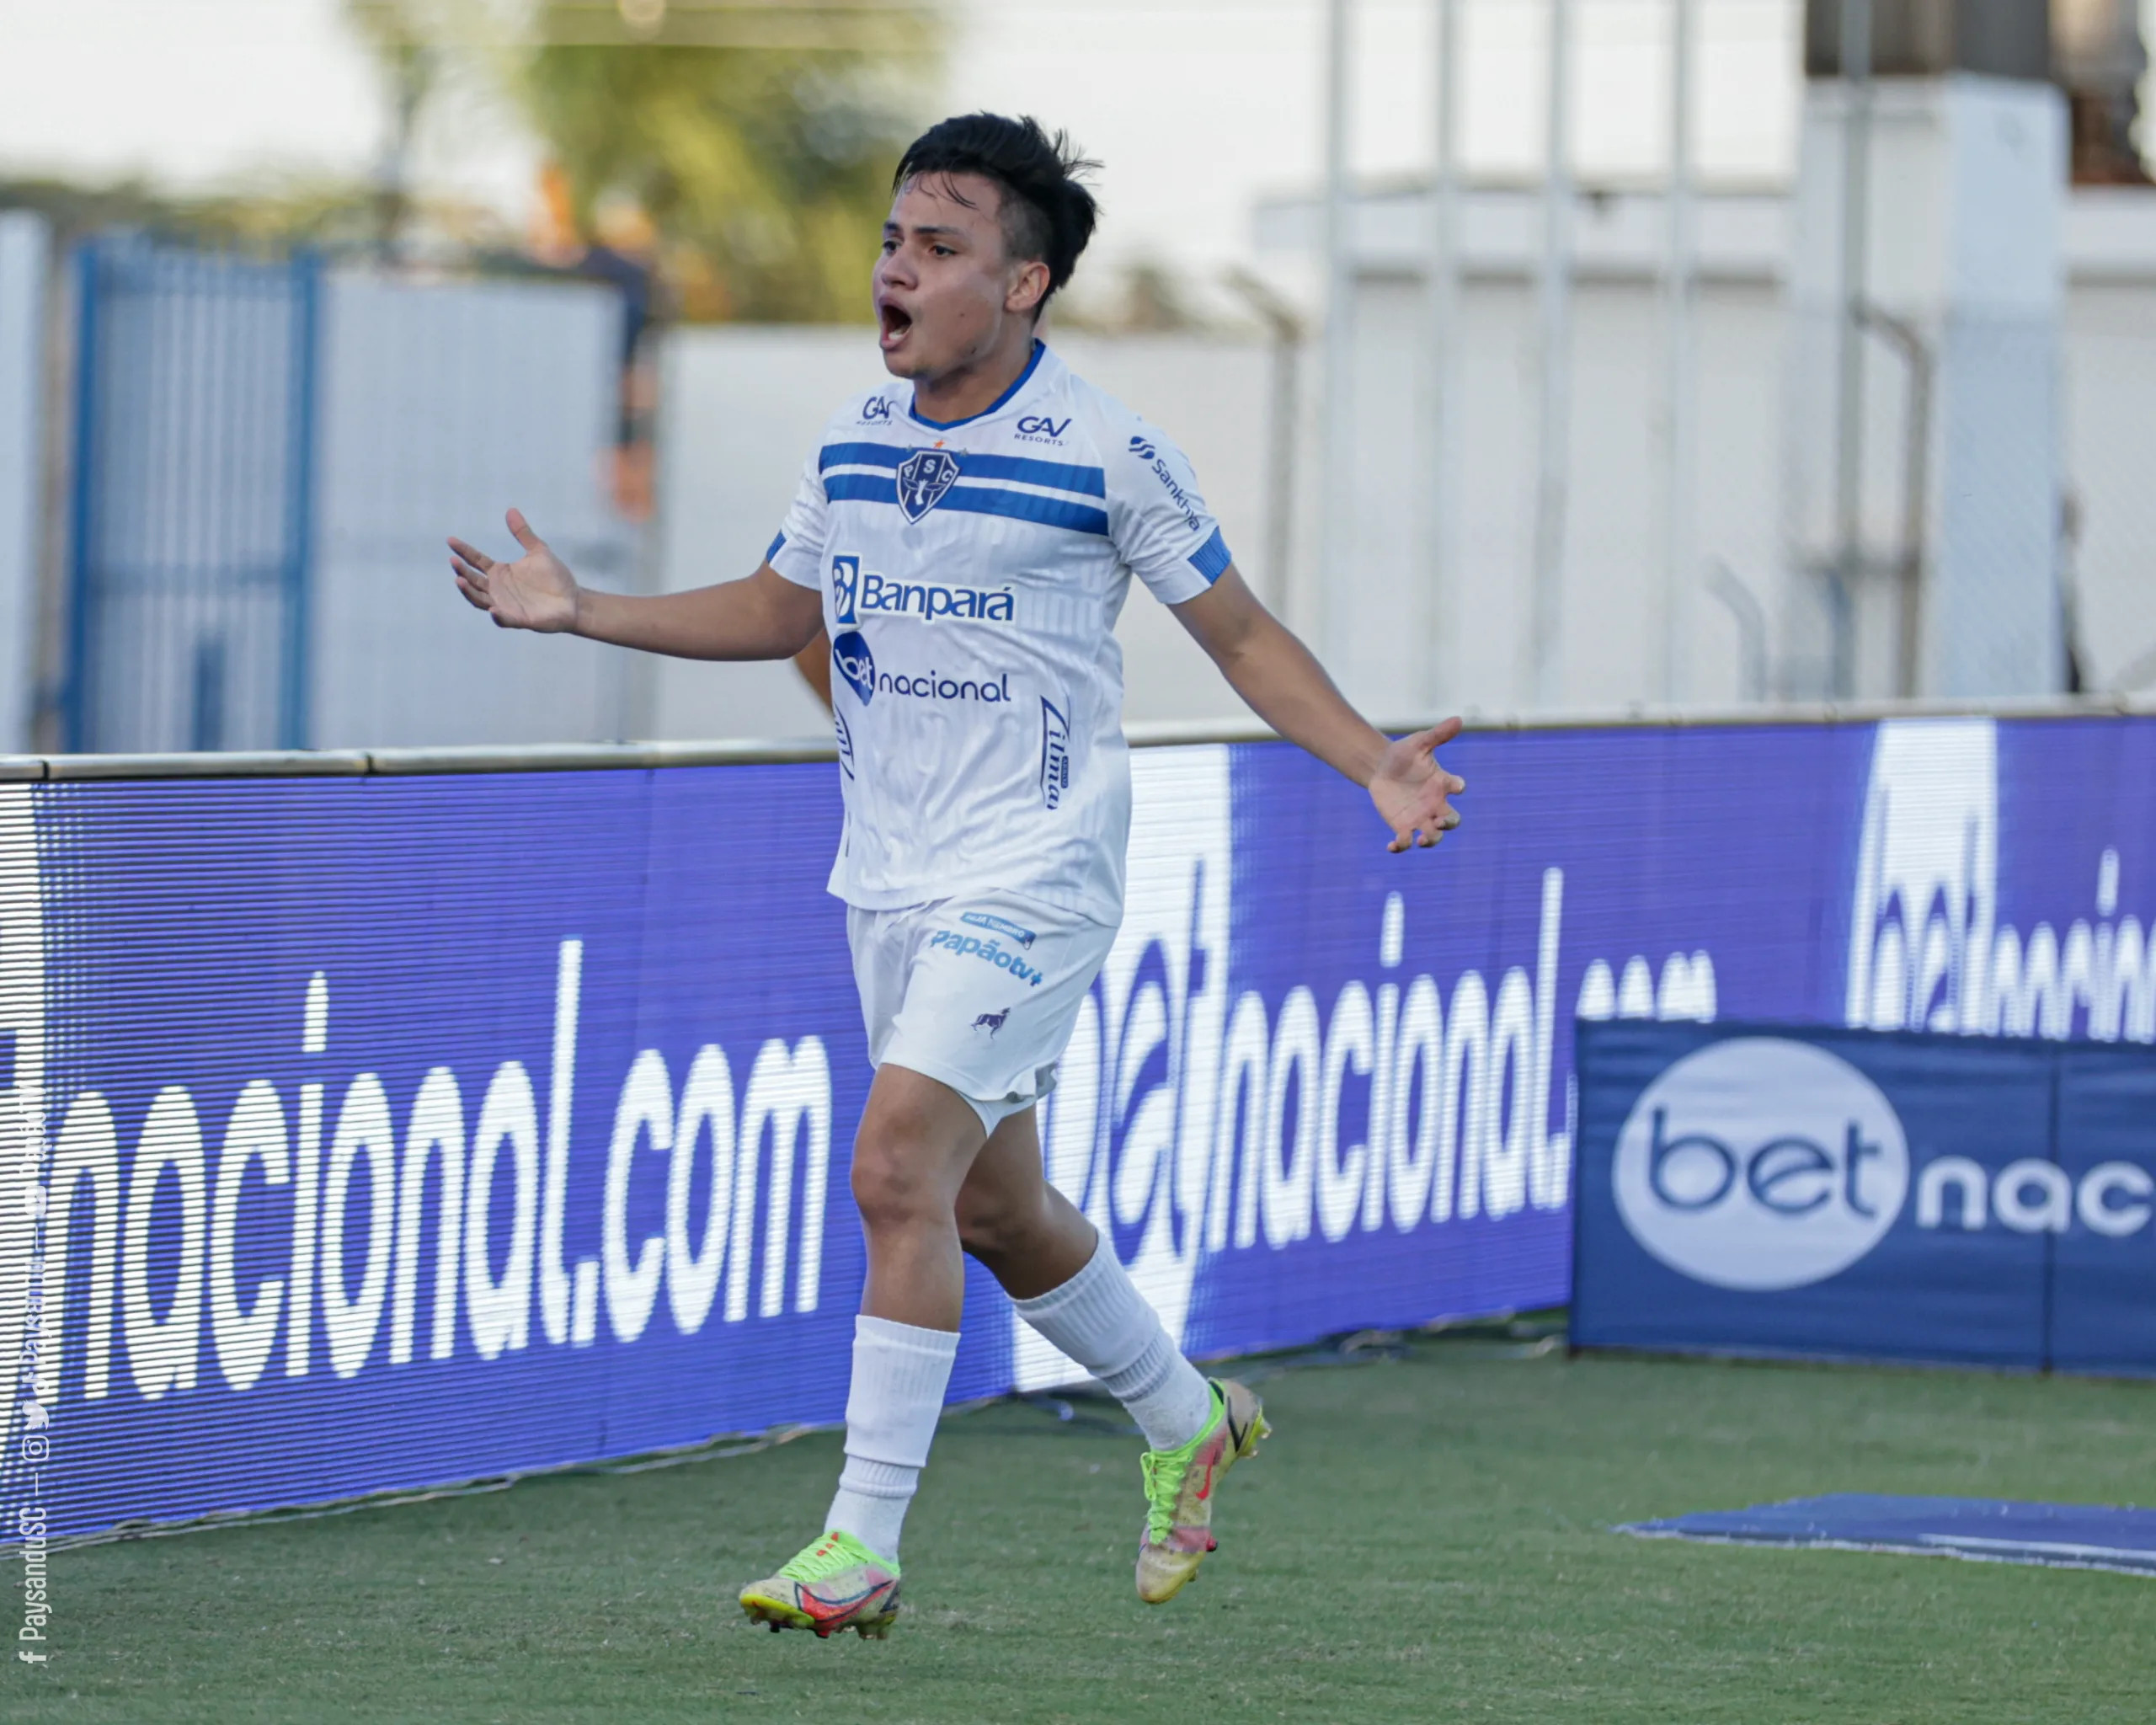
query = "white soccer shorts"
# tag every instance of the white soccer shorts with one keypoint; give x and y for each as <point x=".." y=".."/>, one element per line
<point x="980" y="993"/>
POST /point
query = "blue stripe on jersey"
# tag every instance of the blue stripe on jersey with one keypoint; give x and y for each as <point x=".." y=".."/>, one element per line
<point x="859" y="454"/>
<point x="862" y="488"/>
<point x="1092" y="482"/>
<point x="1089" y="482"/>
<point x="1025" y="506"/>
<point x="1212" y="559"/>
<point x="778" y="541"/>
<point x="976" y="500"/>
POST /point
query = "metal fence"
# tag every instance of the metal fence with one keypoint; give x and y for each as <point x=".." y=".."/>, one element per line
<point x="193" y="464"/>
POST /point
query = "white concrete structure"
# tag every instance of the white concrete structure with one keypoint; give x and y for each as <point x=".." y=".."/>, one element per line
<point x="26" y="249"/>
<point x="1747" y="537"/>
<point x="1953" y="530"/>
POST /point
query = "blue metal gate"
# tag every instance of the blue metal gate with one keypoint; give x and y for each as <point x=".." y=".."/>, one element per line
<point x="194" y="428"/>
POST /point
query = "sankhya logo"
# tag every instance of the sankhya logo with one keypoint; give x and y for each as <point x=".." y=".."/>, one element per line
<point x="1759" y="1163"/>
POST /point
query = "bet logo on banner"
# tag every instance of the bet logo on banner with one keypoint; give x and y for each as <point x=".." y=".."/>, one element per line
<point x="1761" y="1164"/>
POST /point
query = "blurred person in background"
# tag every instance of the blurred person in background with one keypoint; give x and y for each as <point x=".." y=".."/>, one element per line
<point x="965" y="536"/>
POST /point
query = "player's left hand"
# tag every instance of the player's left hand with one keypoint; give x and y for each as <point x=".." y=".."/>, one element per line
<point x="1410" y="787"/>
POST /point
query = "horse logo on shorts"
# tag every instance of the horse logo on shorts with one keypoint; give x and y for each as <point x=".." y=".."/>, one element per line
<point x="991" y="1021"/>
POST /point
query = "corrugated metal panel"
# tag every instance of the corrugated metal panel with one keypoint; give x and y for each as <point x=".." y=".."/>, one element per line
<point x="194" y="456"/>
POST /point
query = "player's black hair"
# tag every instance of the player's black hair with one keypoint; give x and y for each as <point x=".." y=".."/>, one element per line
<point x="1047" y="214"/>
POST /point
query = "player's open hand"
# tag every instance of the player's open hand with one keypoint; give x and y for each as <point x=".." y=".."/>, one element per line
<point x="1410" y="787"/>
<point x="536" y="592"/>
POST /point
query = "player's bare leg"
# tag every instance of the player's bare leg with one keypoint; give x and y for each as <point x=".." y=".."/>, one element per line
<point x="917" y="1140"/>
<point x="1068" y="1284"/>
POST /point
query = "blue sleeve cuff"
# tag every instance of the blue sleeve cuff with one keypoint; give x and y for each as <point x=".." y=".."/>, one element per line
<point x="1211" y="558"/>
<point x="778" y="543"/>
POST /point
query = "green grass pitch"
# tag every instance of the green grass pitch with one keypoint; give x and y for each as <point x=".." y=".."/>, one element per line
<point x="1423" y="1539"/>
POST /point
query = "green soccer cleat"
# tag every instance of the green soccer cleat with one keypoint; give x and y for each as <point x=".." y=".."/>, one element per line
<point x="1179" y="1487"/>
<point x="836" y="1584"/>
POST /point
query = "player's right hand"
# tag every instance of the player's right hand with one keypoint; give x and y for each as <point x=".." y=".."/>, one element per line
<point x="536" y="592"/>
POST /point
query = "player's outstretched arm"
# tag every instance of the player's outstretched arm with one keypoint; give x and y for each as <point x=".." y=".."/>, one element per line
<point x="1289" y="689"/>
<point x="764" y="617"/>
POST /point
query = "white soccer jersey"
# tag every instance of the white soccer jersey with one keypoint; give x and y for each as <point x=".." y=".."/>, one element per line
<point x="972" y="573"/>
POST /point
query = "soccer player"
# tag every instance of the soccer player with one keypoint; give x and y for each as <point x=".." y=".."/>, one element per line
<point x="966" y="531"/>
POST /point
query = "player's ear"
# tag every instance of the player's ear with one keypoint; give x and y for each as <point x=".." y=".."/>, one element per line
<point x="1028" y="287"/>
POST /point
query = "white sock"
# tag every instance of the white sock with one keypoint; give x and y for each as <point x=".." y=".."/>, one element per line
<point x="899" y="1376"/>
<point x="1100" y="1319"/>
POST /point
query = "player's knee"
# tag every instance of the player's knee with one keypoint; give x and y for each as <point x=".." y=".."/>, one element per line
<point x="891" y="1193"/>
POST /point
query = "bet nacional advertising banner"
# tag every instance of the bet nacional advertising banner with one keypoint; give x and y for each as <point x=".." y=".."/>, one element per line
<point x="369" y="1133"/>
<point x="1902" y="1195"/>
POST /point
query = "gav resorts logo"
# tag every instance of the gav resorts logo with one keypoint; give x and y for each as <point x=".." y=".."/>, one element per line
<point x="924" y="477"/>
<point x="876" y="407"/>
<point x="855" y="663"/>
<point x="1760" y="1164"/>
<point x="1039" y="427"/>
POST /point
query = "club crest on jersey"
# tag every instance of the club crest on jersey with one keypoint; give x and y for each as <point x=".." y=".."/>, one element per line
<point x="923" y="477"/>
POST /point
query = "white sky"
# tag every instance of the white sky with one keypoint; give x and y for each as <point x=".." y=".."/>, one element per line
<point x="1198" y="107"/>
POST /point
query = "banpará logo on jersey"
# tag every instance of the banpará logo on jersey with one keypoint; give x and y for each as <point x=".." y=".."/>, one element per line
<point x="877" y="407"/>
<point x="856" y="593"/>
<point x="1761" y="1163"/>
<point x="923" y="477"/>
<point x="1039" y="427"/>
<point x="1055" y="753"/>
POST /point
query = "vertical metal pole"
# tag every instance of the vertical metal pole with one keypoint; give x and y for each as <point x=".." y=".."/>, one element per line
<point x="76" y="704"/>
<point x="294" y="712"/>
<point x="1848" y="439"/>
<point x="1680" y="403"/>
<point x="1545" y="627"/>
<point x="1442" y="491"/>
<point x="1336" y="561"/>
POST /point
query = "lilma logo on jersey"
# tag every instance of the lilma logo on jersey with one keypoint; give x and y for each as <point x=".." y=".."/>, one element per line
<point x="856" y="593"/>
<point x="1055" y="753"/>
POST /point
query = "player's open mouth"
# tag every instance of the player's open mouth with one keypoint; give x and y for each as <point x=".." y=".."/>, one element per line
<point x="896" y="324"/>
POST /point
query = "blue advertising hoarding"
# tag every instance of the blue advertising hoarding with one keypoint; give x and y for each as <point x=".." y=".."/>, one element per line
<point x="376" y="1132"/>
<point x="1909" y="1195"/>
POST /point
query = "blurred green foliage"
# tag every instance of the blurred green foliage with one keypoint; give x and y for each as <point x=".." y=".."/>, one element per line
<point x="746" y="148"/>
<point x="764" y="171"/>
